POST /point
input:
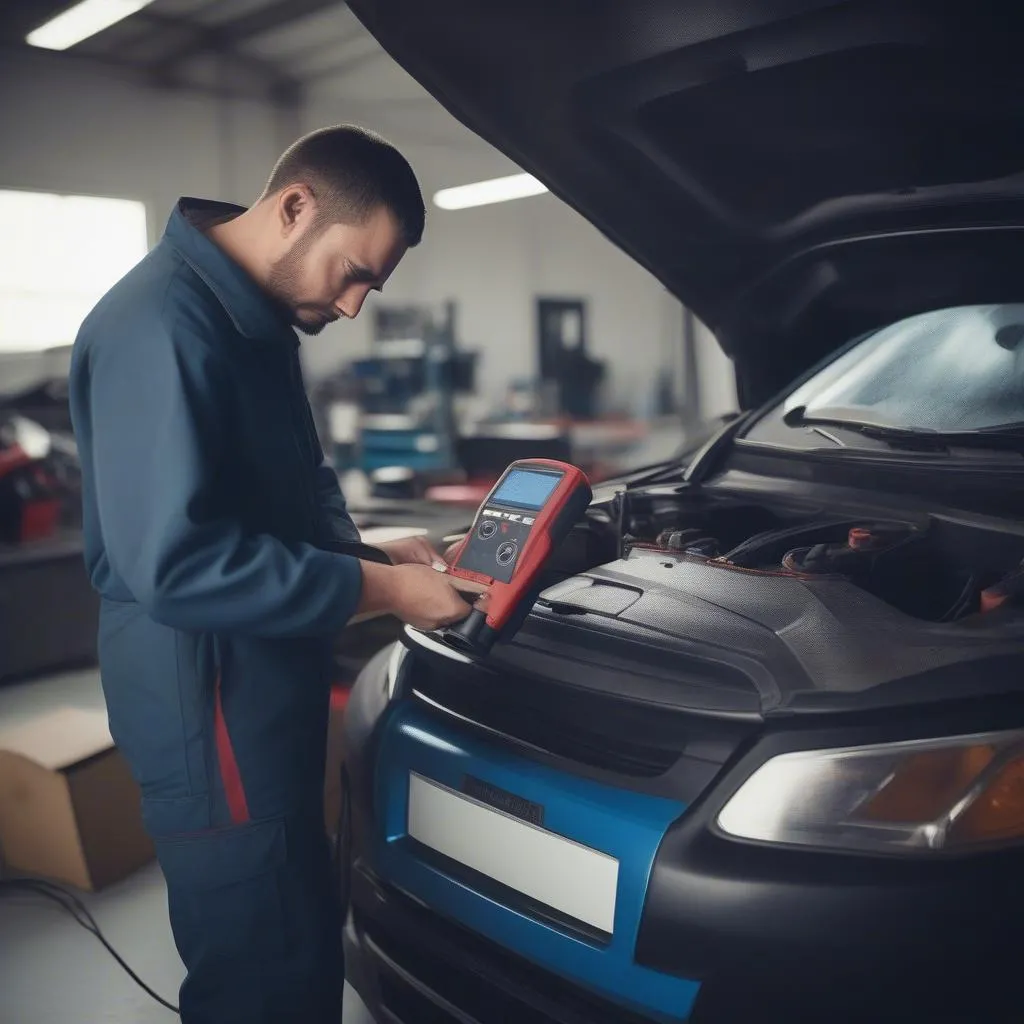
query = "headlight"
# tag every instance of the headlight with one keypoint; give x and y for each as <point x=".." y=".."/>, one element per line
<point x="953" y="794"/>
<point x="395" y="662"/>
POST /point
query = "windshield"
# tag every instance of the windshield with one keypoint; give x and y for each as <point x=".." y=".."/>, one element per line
<point x="952" y="370"/>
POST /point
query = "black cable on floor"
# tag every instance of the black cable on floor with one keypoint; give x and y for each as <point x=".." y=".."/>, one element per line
<point x="80" y="912"/>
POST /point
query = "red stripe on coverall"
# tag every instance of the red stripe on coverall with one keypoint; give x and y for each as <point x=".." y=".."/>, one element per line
<point x="230" y="776"/>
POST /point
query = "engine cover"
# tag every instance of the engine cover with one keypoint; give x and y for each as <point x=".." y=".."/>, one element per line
<point x="706" y="635"/>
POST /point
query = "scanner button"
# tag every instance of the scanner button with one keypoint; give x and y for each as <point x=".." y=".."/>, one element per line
<point x="488" y="528"/>
<point x="507" y="553"/>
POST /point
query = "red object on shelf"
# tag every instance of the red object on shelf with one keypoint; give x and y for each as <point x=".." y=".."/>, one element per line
<point x="39" y="520"/>
<point x="12" y="458"/>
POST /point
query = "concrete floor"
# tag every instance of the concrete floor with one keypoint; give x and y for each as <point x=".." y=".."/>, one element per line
<point x="51" y="970"/>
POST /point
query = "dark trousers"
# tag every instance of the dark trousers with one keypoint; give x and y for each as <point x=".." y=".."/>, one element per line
<point x="256" y="919"/>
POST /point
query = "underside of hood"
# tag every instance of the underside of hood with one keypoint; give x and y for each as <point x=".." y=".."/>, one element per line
<point x="795" y="171"/>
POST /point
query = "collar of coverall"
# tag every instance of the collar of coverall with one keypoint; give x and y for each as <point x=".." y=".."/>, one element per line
<point x="254" y="313"/>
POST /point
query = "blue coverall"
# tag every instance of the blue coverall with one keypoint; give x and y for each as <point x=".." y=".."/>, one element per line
<point x="212" y="532"/>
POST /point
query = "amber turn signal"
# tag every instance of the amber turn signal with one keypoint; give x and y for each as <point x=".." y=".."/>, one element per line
<point x="997" y="813"/>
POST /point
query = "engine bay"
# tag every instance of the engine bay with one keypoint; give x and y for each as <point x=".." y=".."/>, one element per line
<point x="931" y="568"/>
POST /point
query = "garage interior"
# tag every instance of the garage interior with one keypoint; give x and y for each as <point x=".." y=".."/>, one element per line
<point x="553" y="343"/>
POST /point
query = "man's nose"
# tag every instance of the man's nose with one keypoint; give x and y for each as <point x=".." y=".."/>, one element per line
<point x="349" y="304"/>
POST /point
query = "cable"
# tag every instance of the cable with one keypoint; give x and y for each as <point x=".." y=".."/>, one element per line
<point x="80" y="912"/>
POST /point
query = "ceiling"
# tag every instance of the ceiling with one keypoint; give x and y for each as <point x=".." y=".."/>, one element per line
<point x="280" y="50"/>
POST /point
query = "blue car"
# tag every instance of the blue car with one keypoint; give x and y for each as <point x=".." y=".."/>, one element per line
<point x="757" y="752"/>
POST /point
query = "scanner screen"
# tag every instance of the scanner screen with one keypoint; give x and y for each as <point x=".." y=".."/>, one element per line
<point x="526" y="488"/>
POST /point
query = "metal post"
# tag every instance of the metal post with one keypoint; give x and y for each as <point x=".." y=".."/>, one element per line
<point x="691" y="410"/>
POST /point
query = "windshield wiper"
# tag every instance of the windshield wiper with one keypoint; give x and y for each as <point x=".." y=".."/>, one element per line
<point x="1005" y="437"/>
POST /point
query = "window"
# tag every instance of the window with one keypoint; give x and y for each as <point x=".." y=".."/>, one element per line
<point x="58" y="255"/>
<point x="949" y="370"/>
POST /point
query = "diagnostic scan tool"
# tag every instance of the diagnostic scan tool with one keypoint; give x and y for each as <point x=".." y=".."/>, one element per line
<point x="528" y="513"/>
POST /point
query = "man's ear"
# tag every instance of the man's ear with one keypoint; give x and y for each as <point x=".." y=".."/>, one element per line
<point x="295" y="208"/>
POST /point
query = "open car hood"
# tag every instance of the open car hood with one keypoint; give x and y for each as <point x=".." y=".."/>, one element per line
<point x="796" y="172"/>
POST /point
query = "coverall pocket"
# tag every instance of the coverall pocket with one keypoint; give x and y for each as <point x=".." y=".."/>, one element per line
<point x="225" y="895"/>
<point x="255" y="922"/>
<point x="223" y="856"/>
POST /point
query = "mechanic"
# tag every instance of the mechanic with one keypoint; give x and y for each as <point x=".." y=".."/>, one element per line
<point x="219" y="542"/>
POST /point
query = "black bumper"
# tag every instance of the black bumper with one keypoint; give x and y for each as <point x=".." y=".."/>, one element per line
<point x="772" y="934"/>
<point x="412" y="967"/>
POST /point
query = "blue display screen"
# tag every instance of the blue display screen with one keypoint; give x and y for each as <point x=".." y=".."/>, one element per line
<point x="526" y="488"/>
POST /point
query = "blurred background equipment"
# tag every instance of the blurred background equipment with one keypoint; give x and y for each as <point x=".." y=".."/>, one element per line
<point x="394" y="414"/>
<point x="48" y="611"/>
<point x="409" y="387"/>
<point x="562" y="356"/>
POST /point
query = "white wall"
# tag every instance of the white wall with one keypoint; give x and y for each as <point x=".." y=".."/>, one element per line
<point x="71" y="127"/>
<point x="75" y="128"/>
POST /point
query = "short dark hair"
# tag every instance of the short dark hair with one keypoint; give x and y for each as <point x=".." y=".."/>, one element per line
<point x="352" y="172"/>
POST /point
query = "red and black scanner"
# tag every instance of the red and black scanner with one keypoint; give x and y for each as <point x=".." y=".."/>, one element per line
<point x="526" y="515"/>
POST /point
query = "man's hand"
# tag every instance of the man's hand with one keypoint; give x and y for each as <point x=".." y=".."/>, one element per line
<point x="411" y="551"/>
<point x="417" y="594"/>
<point x="452" y="551"/>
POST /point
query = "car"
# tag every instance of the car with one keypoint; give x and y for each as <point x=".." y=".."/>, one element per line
<point x="757" y="751"/>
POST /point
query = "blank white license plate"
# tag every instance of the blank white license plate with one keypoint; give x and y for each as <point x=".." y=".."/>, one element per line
<point x="572" y="879"/>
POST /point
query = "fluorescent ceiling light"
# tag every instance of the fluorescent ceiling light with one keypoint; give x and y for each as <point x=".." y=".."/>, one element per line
<point x="496" y="190"/>
<point x="81" y="21"/>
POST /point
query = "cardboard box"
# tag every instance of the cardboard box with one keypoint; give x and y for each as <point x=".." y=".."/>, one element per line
<point x="69" y="808"/>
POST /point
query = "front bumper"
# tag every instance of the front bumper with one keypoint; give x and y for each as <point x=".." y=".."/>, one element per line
<point x="707" y="929"/>
<point x="624" y="825"/>
<point x="408" y="965"/>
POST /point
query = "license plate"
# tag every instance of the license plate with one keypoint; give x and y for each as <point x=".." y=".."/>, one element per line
<point x="562" y="874"/>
